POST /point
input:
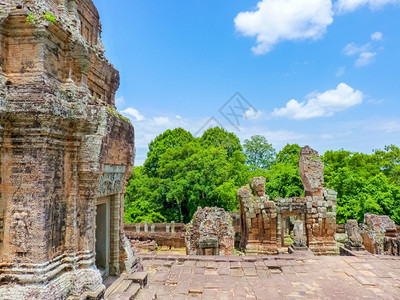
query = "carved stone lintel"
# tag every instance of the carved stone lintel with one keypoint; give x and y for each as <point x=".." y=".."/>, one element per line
<point x="111" y="182"/>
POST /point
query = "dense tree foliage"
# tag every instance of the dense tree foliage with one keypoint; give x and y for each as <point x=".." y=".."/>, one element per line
<point x="259" y="153"/>
<point x="182" y="172"/>
<point x="365" y="183"/>
<point x="282" y="179"/>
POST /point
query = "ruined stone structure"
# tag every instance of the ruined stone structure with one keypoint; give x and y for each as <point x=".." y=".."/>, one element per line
<point x="265" y="224"/>
<point x="380" y="235"/>
<point x="166" y="236"/>
<point x="65" y="153"/>
<point x="299" y="235"/>
<point x="210" y="233"/>
<point x="355" y="241"/>
<point x="258" y="219"/>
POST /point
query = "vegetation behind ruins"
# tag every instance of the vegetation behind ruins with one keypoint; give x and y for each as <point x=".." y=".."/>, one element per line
<point x="182" y="172"/>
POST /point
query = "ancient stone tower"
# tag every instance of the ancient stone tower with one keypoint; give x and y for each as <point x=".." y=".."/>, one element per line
<point x="65" y="153"/>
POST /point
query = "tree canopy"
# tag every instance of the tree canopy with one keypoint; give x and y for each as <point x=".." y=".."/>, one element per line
<point x="182" y="172"/>
<point x="259" y="153"/>
<point x="365" y="183"/>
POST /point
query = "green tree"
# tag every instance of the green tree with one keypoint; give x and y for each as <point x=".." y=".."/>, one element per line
<point x="365" y="183"/>
<point x="290" y="154"/>
<point x="283" y="177"/>
<point x="139" y="199"/>
<point x="219" y="137"/>
<point x="182" y="173"/>
<point x="177" y="137"/>
<point x="259" y="153"/>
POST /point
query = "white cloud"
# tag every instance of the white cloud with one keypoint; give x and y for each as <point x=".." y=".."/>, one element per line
<point x="277" y="138"/>
<point x="376" y="36"/>
<point x="375" y="101"/>
<point x="147" y="130"/>
<point x="321" y="104"/>
<point x="352" y="48"/>
<point x="251" y="114"/>
<point x="365" y="58"/>
<point x="161" y="121"/>
<point x="134" y="113"/>
<point x="346" y="6"/>
<point x="279" y="20"/>
<point x="178" y="117"/>
<point x="340" y="71"/>
<point x="326" y="136"/>
<point x="120" y="101"/>
<point x="390" y="126"/>
<point x="365" y="55"/>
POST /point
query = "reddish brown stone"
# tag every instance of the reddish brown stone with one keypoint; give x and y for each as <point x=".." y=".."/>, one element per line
<point x="64" y="152"/>
<point x="264" y="223"/>
<point x="210" y="233"/>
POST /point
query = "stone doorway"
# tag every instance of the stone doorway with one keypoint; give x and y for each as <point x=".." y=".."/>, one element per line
<point x="289" y="223"/>
<point x="103" y="236"/>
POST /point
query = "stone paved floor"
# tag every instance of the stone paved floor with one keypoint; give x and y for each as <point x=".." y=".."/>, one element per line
<point x="295" y="276"/>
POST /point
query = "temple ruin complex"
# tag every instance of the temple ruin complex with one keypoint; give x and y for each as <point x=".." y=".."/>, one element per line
<point x="65" y="157"/>
<point x="65" y="153"/>
<point x="312" y="219"/>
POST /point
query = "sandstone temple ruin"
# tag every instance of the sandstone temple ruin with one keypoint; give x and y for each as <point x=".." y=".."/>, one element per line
<point x="210" y="233"/>
<point x="311" y="219"/>
<point x="65" y="153"/>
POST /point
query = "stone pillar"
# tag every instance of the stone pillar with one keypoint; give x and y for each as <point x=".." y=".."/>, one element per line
<point x="167" y="227"/>
<point x="146" y="226"/>
<point x="152" y="228"/>
<point x="311" y="172"/>
<point x="173" y="226"/>
<point x="137" y="228"/>
<point x="299" y="237"/>
<point x="279" y="230"/>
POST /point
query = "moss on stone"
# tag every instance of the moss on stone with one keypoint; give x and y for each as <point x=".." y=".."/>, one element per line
<point x="115" y="113"/>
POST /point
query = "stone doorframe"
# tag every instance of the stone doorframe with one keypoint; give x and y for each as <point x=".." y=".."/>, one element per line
<point x="281" y="225"/>
<point x="110" y="190"/>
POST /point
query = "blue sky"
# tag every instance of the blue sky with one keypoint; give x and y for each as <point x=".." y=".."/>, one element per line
<point x="317" y="72"/>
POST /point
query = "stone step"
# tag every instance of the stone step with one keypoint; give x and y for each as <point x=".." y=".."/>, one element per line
<point x="139" y="277"/>
<point x="129" y="294"/>
<point x="123" y="286"/>
<point x="114" y="285"/>
<point x="127" y="286"/>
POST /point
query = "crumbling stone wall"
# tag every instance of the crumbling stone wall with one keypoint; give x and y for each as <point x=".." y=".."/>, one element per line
<point x="380" y="235"/>
<point x="155" y="227"/>
<point x="210" y="233"/>
<point x="162" y="239"/>
<point x="264" y="222"/>
<point x="63" y="146"/>
<point x="258" y="219"/>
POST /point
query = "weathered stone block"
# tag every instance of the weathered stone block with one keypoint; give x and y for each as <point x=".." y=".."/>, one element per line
<point x="330" y="198"/>
<point x="211" y="228"/>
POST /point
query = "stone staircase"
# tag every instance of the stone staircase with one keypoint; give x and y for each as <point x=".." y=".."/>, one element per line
<point x="126" y="287"/>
